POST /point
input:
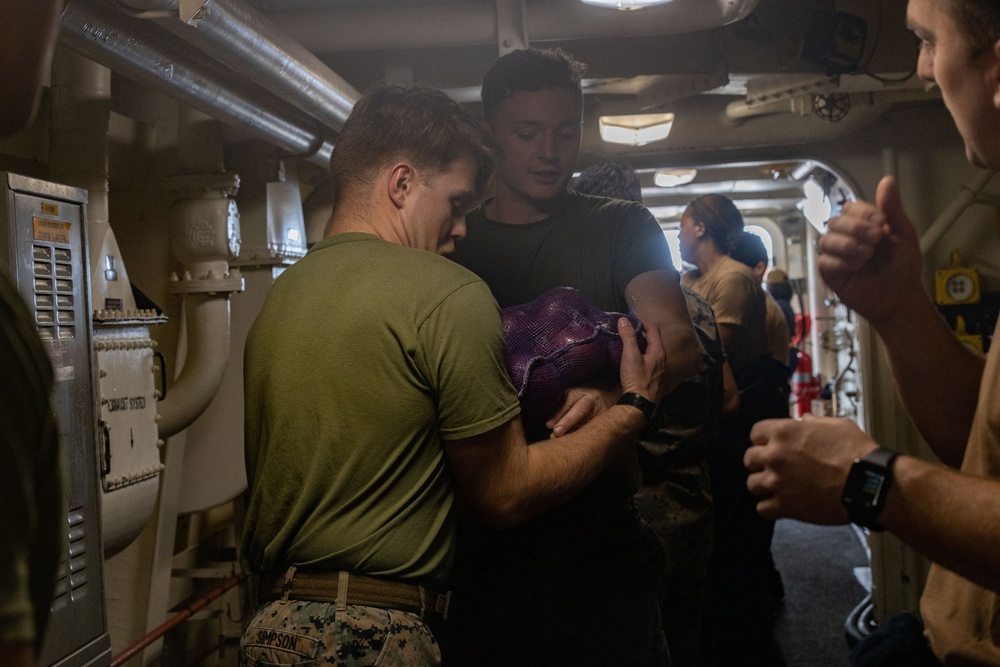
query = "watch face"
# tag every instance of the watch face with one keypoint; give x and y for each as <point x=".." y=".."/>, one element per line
<point x="864" y="486"/>
<point x="871" y="488"/>
<point x="959" y="287"/>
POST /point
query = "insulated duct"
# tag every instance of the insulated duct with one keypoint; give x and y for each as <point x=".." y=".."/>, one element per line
<point x="133" y="48"/>
<point x="243" y="39"/>
<point x="464" y="23"/>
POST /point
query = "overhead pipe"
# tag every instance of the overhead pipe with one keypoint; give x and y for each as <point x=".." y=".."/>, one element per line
<point x="134" y="48"/>
<point x="464" y="23"/>
<point x="245" y="40"/>
<point x="964" y="199"/>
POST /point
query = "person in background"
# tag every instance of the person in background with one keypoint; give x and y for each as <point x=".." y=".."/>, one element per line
<point x="376" y="391"/>
<point x="827" y="471"/>
<point x="576" y="586"/>
<point x="780" y="288"/>
<point x="33" y="511"/>
<point x="739" y="605"/>
<point x="676" y="496"/>
<point x="610" y="178"/>
<point x="749" y="249"/>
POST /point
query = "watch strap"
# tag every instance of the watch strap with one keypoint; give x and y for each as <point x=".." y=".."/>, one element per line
<point x="651" y="409"/>
<point x="882" y="457"/>
<point x="867" y="485"/>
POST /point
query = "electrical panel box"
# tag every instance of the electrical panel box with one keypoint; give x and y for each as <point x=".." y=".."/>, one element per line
<point x="43" y="248"/>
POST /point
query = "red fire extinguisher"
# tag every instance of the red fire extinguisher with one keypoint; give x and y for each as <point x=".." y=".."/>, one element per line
<point x="805" y="385"/>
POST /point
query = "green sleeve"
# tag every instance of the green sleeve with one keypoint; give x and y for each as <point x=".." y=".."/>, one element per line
<point x="464" y="355"/>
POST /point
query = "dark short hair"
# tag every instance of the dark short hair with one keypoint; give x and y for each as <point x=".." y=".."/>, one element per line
<point x="529" y="70"/>
<point x="722" y="220"/>
<point x="748" y="248"/>
<point x="610" y="179"/>
<point x="419" y="124"/>
<point x="979" y="20"/>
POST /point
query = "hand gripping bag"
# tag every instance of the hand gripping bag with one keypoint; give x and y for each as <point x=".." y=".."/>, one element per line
<point x="559" y="340"/>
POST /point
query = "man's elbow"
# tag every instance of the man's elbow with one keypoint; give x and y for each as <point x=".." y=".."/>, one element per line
<point x="501" y="513"/>
<point x="684" y="354"/>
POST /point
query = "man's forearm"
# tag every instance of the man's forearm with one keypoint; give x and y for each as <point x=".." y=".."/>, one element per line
<point x="937" y="377"/>
<point x="951" y="518"/>
<point x="559" y="468"/>
<point x="506" y="481"/>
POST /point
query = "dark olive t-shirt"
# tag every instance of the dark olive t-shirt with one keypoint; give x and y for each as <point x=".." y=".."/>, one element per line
<point x="577" y="584"/>
<point x="596" y="245"/>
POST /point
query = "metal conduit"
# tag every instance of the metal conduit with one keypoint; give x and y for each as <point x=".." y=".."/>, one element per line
<point x="133" y="48"/>
<point x="465" y="23"/>
<point x="251" y="44"/>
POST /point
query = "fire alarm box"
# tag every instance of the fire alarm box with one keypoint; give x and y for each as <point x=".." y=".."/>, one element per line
<point x="958" y="284"/>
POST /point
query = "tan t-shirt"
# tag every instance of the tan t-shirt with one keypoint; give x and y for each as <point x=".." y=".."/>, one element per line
<point x="737" y="298"/>
<point x="962" y="618"/>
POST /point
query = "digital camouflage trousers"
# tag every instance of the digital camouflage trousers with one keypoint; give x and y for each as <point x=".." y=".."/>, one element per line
<point x="308" y="634"/>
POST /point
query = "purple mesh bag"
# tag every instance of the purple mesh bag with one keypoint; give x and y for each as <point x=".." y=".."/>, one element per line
<point x="556" y="341"/>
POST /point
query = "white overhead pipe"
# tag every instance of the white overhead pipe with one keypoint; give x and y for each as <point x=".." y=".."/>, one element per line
<point x="465" y="23"/>
<point x="237" y="35"/>
<point x="965" y="198"/>
<point x="133" y="48"/>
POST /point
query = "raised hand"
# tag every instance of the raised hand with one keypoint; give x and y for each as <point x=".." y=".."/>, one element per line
<point x="871" y="256"/>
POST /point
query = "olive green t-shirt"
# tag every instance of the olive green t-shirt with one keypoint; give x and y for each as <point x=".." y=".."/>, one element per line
<point x="365" y="355"/>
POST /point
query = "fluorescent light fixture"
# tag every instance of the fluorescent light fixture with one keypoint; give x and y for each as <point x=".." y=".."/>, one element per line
<point x="668" y="178"/>
<point x="625" y="4"/>
<point x="816" y="206"/>
<point x="636" y="130"/>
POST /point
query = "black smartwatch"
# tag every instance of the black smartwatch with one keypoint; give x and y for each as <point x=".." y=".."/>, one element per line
<point x="866" y="487"/>
<point x="653" y="411"/>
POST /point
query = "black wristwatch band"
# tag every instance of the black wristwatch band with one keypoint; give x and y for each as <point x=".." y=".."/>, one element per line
<point x="867" y="486"/>
<point x="653" y="412"/>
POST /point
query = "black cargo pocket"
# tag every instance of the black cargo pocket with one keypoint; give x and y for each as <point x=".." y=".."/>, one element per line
<point x="264" y="647"/>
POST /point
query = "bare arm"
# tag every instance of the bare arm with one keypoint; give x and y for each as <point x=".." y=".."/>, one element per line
<point x="730" y="392"/>
<point x="506" y="481"/>
<point x="939" y="389"/>
<point x="798" y="469"/>
<point x="871" y="259"/>
<point x="657" y="298"/>
<point x="732" y="339"/>
<point x="950" y="517"/>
